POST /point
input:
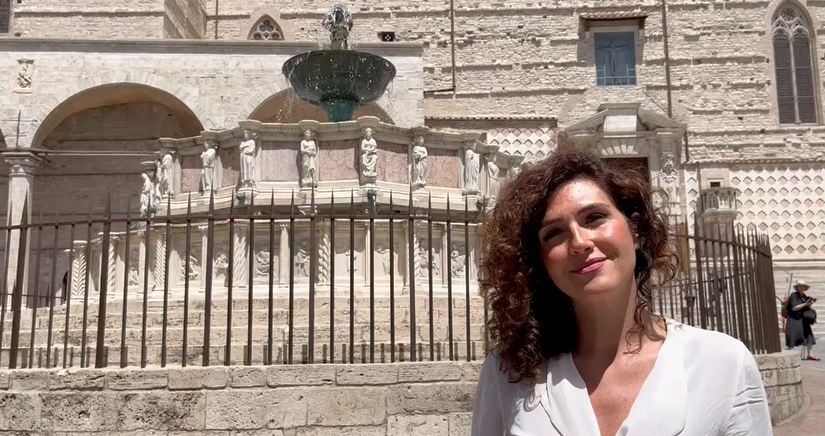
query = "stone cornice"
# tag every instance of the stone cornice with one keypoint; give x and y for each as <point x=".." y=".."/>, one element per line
<point x="165" y="46"/>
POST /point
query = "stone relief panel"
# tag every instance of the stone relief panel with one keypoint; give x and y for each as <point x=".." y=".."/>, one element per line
<point x="443" y="168"/>
<point x="423" y="261"/>
<point x="458" y="260"/>
<point x="262" y="264"/>
<point x="302" y="258"/>
<point x="384" y="266"/>
<point x="338" y="160"/>
<point x="230" y="160"/>
<point x="788" y="202"/>
<point x="220" y="262"/>
<point x="393" y="163"/>
<point x="343" y="254"/>
<point x="133" y="270"/>
<point x="279" y="162"/>
<point x="190" y="173"/>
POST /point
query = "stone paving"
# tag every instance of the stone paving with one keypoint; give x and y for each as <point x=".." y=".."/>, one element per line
<point x="811" y="419"/>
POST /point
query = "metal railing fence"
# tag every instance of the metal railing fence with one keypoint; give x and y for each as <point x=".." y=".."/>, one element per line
<point x="342" y="281"/>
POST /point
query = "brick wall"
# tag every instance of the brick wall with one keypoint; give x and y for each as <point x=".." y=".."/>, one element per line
<point x="398" y="399"/>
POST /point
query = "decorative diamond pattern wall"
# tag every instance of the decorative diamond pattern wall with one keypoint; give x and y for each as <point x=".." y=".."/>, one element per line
<point x="787" y="201"/>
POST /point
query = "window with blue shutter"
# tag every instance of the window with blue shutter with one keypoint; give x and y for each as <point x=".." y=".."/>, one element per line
<point x="793" y="62"/>
<point x="615" y="59"/>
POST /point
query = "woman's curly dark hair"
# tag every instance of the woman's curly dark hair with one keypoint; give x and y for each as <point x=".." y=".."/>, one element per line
<point x="532" y="320"/>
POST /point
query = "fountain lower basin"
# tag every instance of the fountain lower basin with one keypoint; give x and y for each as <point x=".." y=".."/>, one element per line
<point x="339" y="81"/>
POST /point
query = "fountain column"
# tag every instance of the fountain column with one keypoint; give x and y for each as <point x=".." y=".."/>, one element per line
<point x="78" y="274"/>
<point x="204" y="258"/>
<point x="324" y="252"/>
<point x="283" y="258"/>
<point x="240" y="247"/>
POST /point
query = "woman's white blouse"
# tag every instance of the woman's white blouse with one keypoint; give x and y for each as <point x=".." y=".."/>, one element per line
<point x="703" y="383"/>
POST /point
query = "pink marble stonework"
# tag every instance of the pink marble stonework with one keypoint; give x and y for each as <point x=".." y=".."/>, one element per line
<point x="337" y="160"/>
<point x="442" y="168"/>
<point x="190" y="167"/>
<point x="230" y="161"/>
<point x="279" y="162"/>
<point x="392" y="163"/>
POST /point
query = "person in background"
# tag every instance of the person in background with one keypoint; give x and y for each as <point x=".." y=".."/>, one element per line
<point x="569" y="259"/>
<point x="798" y="331"/>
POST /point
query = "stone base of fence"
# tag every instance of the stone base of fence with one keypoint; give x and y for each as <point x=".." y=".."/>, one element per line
<point x="782" y="375"/>
<point x="433" y="399"/>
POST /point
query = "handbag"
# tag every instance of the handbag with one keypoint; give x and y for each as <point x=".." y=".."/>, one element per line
<point x="809" y="316"/>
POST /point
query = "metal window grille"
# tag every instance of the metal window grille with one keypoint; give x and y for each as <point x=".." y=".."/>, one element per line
<point x="615" y="59"/>
<point x="793" y="63"/>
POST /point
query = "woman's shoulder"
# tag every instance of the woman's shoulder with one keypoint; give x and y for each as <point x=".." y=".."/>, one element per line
<point x="707" y="347"/>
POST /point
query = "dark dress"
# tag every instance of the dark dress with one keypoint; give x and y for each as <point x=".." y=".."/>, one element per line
<point x="797" y="329"/>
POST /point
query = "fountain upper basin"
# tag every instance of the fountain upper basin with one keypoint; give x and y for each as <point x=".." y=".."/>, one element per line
<point x="339" y="81"/>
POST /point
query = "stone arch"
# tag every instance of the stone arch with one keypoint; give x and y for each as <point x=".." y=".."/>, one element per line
<point x="260" y="14"/>
<point x="285" y="107"/>
<point x="100" y="91"/>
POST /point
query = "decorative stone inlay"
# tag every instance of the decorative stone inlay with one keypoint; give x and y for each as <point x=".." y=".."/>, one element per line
<point x="25" y="75"/>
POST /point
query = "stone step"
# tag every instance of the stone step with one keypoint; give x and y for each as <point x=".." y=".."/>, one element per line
<point x="440" y="351"/>
<point x="238" y="305"/>
<point x="440" y="315"/>
<point x="300" y="333"/>
<point x="260" y="314"/>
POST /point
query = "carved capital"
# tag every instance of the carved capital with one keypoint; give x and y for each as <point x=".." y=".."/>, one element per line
<point x="22" y="163"/>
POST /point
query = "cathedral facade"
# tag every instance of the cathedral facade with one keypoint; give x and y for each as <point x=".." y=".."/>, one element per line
<point x="720" y="104"/>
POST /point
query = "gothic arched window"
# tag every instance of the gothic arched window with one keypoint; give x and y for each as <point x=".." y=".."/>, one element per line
<point x="5" y="16"/>
<point x="266" y="29"/>
<point x="793" y="60"/>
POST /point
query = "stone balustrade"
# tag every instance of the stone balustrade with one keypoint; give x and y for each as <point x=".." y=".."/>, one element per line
<point x="718" y="201"/>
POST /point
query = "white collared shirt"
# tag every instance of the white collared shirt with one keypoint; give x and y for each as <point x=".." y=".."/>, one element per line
<point x="703" y="383"/>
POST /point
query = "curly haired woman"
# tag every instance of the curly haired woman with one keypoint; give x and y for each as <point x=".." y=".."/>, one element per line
<point x="571" y="254"/>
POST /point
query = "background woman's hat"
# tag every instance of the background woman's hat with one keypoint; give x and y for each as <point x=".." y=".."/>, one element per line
<point x="800" y="283"/>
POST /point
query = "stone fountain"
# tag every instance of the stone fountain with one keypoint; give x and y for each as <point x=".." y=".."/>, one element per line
<point x="339" y="80"/>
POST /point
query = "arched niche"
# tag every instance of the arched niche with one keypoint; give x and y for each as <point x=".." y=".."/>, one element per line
<point x="116" y="94"/>
<point x="286" y="107"/>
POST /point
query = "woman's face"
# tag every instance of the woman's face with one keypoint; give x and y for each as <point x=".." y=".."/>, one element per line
<point x="587" y="245"/>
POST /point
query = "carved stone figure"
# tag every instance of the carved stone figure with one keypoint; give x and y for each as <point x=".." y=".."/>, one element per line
<point x="424" y="260"/>
<point x="369" y="157"/>
<point x="308" y="165"/>
<point x="164" y="173"/>
<point x="302" y="260"/>
<point x="457" y="262"/>
<point x="249" y="149"/>
<point x="514" y="171"/>
<point x="24" y="77"/>
<point x="492" y="181"/>
<point x="194" y="267"/>
<point x="471" y="170"/>
<point x="343" y="247"/>
<point x="134" y="276"/>
<point x="208" y="158"/>
<point x="262" y="265"/>
<point x="222" y="264"/>
<point x="668" y="174"/>
<point x="148" y="194"/>
<point x="419" y="176"/>
<point x="339" y="23"/>
<point x="384" y="256"/>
